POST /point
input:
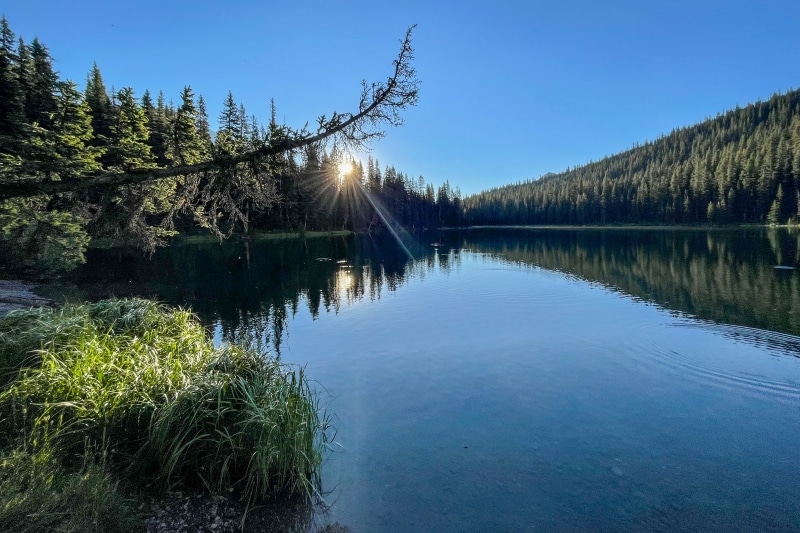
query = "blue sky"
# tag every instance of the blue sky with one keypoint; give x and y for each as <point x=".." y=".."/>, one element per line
<point x="510" y="90"/>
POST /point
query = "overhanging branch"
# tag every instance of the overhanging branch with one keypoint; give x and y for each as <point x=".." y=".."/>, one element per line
<point x="380" y="104"/>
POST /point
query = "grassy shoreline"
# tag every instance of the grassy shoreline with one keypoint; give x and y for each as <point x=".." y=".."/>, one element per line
<point x="101" y="404"/>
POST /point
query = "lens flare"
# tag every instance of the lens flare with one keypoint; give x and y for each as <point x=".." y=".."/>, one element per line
<point x="386" y="218"/>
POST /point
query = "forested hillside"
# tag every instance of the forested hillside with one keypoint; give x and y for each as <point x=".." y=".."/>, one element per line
<point x="740" y="167"/>
<point x="78" y="164"/>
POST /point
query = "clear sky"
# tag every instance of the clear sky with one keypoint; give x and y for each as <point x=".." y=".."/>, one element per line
<point x="510" y="90"/>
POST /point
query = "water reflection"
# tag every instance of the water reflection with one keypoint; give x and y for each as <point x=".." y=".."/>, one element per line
<point x="726" y="276"/>
<point x="250" y="288"/>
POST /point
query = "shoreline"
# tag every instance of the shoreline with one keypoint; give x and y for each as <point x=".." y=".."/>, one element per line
<point x="17" y="294"/>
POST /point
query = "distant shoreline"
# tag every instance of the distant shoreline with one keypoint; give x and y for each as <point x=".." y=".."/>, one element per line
<point x="695" y="227"/>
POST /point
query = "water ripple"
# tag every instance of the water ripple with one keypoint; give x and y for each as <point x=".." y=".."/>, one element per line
<point x="733" y="372"/>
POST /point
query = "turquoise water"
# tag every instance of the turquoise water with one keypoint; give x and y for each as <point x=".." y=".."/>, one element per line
<point x="526" y="380"/>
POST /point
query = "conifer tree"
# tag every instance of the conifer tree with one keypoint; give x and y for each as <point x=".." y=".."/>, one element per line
<point x="40" y="103"/>
<point x="100" y="109"/>
<point x="203" y="128"/>
<point x="775" y="216"/>
<point x="244" y="135"/>
<point x="24" y="69"/>
<point x="375" y="179"/>
<point x="129" y="146"/>
<point x="34" y="232"/>
<point x="158" y="125"/>
<point x="229" y="136"/>
<point x="54" y="181"/>
<point x="64" y="151"/>
<point x="186" y="145"/>
<point x="12" y="112"/>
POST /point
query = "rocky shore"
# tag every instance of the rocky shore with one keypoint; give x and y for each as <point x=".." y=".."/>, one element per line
<point x="19" y="295"/>
<point x="181" y="513"/>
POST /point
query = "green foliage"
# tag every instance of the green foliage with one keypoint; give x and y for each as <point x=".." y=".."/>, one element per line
<point x="244" y="403"/>
<point x="129" y="146"/>
<point x="64" y="150"/>
<point x="142" y="389"/>
<point x="54" y="139"/>
<point x="40" y="103"/>
<point x="12" y="116"/>
<point x="203" y="128"/>
<point x="187" y="145"/>
<point x="35" y="238"/>
<point x="229" y="137"/>
<point x="775" y="211"/>
<point x="99" y="102"/>
<point x="37" y="495"/>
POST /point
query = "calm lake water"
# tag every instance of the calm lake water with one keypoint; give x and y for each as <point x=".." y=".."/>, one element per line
<point x="515" y="380"/>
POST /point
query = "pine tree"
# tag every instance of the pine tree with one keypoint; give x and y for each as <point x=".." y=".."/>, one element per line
<point x="40" y="102"/>
<point x="230" y="138"/>
<point x="64" y="151"/>
<point x="187" y="147"/>
<point x="229" y="117"/>
<point x="203" y="128"/>
<point x="158" y="125"/>
<point x="775" y="212"/>
<point x="244" y="135"/>
<point x="24" y="71"/>
<point x="100" y="110"/>
<point x="129" y="147"/>
<point x="375" y="179"/>
<point x="12" y="112"/>
<point x="35" y="233"/>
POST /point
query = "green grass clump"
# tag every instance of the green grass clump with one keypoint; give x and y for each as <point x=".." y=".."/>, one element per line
<point x="37" y="494"/>
<point x="141" y="390"/>
<point x="248" y="420"/>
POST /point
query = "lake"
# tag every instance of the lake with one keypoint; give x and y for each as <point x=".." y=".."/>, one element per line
<point x="523" y="379"/>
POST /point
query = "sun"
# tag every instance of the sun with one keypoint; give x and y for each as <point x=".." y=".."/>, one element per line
<point x="345" y="168"/>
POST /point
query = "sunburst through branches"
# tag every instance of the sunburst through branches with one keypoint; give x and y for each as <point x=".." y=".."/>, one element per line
<point x="338" y="184"/>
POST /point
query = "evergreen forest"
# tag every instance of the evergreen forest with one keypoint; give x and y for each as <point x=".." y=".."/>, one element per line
<point x="741" y="167"/>
<point x="91" y="163"/>
<point x="83" y="163"/>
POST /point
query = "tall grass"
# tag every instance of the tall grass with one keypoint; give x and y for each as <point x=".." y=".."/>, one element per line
<point x="141" y="390"/>
<point x="248" y="423"/>
<point x="37" y="494"/>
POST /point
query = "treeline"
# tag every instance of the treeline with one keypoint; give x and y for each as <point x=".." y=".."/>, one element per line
<point x="51" y="130"/>
<point x="331" y="191"/>
<point x="740" y="167"/>
<point x="369" y="196"/>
